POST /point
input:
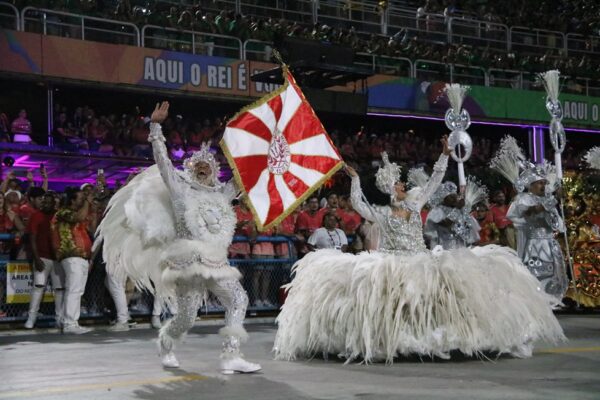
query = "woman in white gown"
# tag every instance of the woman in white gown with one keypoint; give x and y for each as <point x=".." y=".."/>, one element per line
<point x="402" y="299"/>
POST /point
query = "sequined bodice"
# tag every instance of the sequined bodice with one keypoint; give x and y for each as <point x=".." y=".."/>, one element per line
<point x="403" y="235"/>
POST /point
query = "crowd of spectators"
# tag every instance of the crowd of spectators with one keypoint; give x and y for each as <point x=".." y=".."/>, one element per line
<point x="582" y="16"/>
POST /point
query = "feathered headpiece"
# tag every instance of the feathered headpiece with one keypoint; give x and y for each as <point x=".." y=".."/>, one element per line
<point x="417" y="178"/>
<point x="387" y="176"/>
<point x="440" y="194"/>
<point x="592" y="157"/>
<point x="511" y="163"/>
<point x="203" y="155"/>
<point x="475" y="193"/>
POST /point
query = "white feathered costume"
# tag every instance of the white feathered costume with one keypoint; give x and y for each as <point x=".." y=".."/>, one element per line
<point x="170" y="234"/>
<point x="403" y="299"/>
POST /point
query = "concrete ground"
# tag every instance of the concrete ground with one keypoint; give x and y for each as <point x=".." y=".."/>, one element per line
<point x="124" y="365"/>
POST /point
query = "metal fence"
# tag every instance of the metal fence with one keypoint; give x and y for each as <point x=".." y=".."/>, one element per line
<point x="57" y="23"/>
<point x="262" y="277"/>
<point x="366" y="16"/>
<point x="427" y="27"/>
<point x="208" y="44"/>
<point x="9" y="17"/>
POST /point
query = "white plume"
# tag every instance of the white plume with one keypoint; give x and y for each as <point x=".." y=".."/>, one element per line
<point x="456" y="95"/>
<point x="592" y="157"/>
<point x="551" y="81"/>
<point x="417" y="177"/>
<point x="475" y="193"/>
<point x="507" y="158"/>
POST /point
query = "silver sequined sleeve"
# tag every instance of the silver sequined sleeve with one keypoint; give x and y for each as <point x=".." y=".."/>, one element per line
<point x="161" y="157"/>
<point x="356" y="197"/>
<point x="439" y="170"/>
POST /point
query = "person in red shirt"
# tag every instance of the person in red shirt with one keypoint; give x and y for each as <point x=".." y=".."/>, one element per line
<point x="245" y="227"/>
<point x="499" y="209"/>
<point x="489" y="233"/>
<point x="309" y="220"/>
<point x="350" y="221"/>
<point x="72" y="245"/>
<point x="44" y="259"/>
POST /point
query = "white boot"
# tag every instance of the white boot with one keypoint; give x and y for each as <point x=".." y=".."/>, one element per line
<point x="155" y="322"/>
<point x="31" y="320"/>
<point x="167" y="357"/>
<point x="230" y="366"/>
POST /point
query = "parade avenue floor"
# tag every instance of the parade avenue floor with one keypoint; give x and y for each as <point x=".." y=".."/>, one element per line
<point x="123" y="365"/>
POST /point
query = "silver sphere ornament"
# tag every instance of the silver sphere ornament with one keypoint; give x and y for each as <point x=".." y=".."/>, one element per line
<point x="460" y="138"/>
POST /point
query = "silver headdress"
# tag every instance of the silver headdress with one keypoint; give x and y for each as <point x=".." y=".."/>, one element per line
<point x="203" y="155"/>
<point x="387" y="176"/>
<point x="442" y="191"/>
<point x="536" y="172"/>
<point x="475" y="193"/>
<point x="512" y="164"/>
<point x="592" y="157"/>
<point x="417" y="178"/>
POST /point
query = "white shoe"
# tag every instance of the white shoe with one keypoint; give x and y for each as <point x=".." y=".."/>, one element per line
<point x="238" y="364"/>
<point x="76" y="329"/>
<point x="155" y="322"/>
<point x="119" y="327"/>
<point x="169" y="360"/>
<point x="523" y="351"/>
<point x="30" y="323"/>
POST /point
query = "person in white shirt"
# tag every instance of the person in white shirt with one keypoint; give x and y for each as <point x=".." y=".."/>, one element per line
<point x="328" y="236"/>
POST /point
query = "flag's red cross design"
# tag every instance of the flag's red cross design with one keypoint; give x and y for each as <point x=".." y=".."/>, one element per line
<point x="280" y="153"/>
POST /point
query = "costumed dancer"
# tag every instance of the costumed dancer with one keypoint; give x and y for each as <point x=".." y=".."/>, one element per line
<point x="169" y="231"/>
<point x="450" y="223"/>
<point x="584" y="235"/>
<point x="535" y="216"/>
<point x="402" y="299"/>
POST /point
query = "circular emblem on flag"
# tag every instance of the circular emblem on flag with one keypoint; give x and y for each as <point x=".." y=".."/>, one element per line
<point x="279" y="157"/>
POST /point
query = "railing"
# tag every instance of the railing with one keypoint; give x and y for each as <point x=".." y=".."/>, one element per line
<point x="479" y="33"/>
<point x="399" y="66"/>
<point x="578" y="44"/>
<point x="209" y="44"/>
<point x="257" y="50"/>
<point x="428" y="27"/>
<point x="77" y="26"/>
<point x="535" y="40"/>
<point x="256" y="272"/>
<point x="9" y="17"/>
<point x="302" y="11"/>
<point x="505" y="78"/>
<point x="363" y="15"/>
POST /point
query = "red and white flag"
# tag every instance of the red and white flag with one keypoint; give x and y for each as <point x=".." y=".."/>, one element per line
<point x="279" y="152"/>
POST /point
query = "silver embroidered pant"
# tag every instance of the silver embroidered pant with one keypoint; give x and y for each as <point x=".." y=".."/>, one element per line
<point x="190" y="294"/>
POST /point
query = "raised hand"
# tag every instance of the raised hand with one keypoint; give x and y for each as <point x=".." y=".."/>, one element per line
<point x="160" y="113"/>
<point x="351" y="171"/>
<point x="446" y="150"/>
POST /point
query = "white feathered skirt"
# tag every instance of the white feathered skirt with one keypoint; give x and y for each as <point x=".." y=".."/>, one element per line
<point x="376" y="306"/>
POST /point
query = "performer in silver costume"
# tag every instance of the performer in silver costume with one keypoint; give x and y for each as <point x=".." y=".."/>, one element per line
<point x="399" y="298"/>
<point x="535" y="215"/>
<point x="169" y="231"/>
<point x="449" y="223"/>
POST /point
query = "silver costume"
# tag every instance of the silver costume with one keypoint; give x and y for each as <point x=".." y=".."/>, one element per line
<point x="392" y="233"/>
<point x="464" y="230"/>
<point x="536" y="244"/>
<point x="204" y="226"/>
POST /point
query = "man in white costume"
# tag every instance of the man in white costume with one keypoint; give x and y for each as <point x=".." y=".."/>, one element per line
<point x="169" y="231"/>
